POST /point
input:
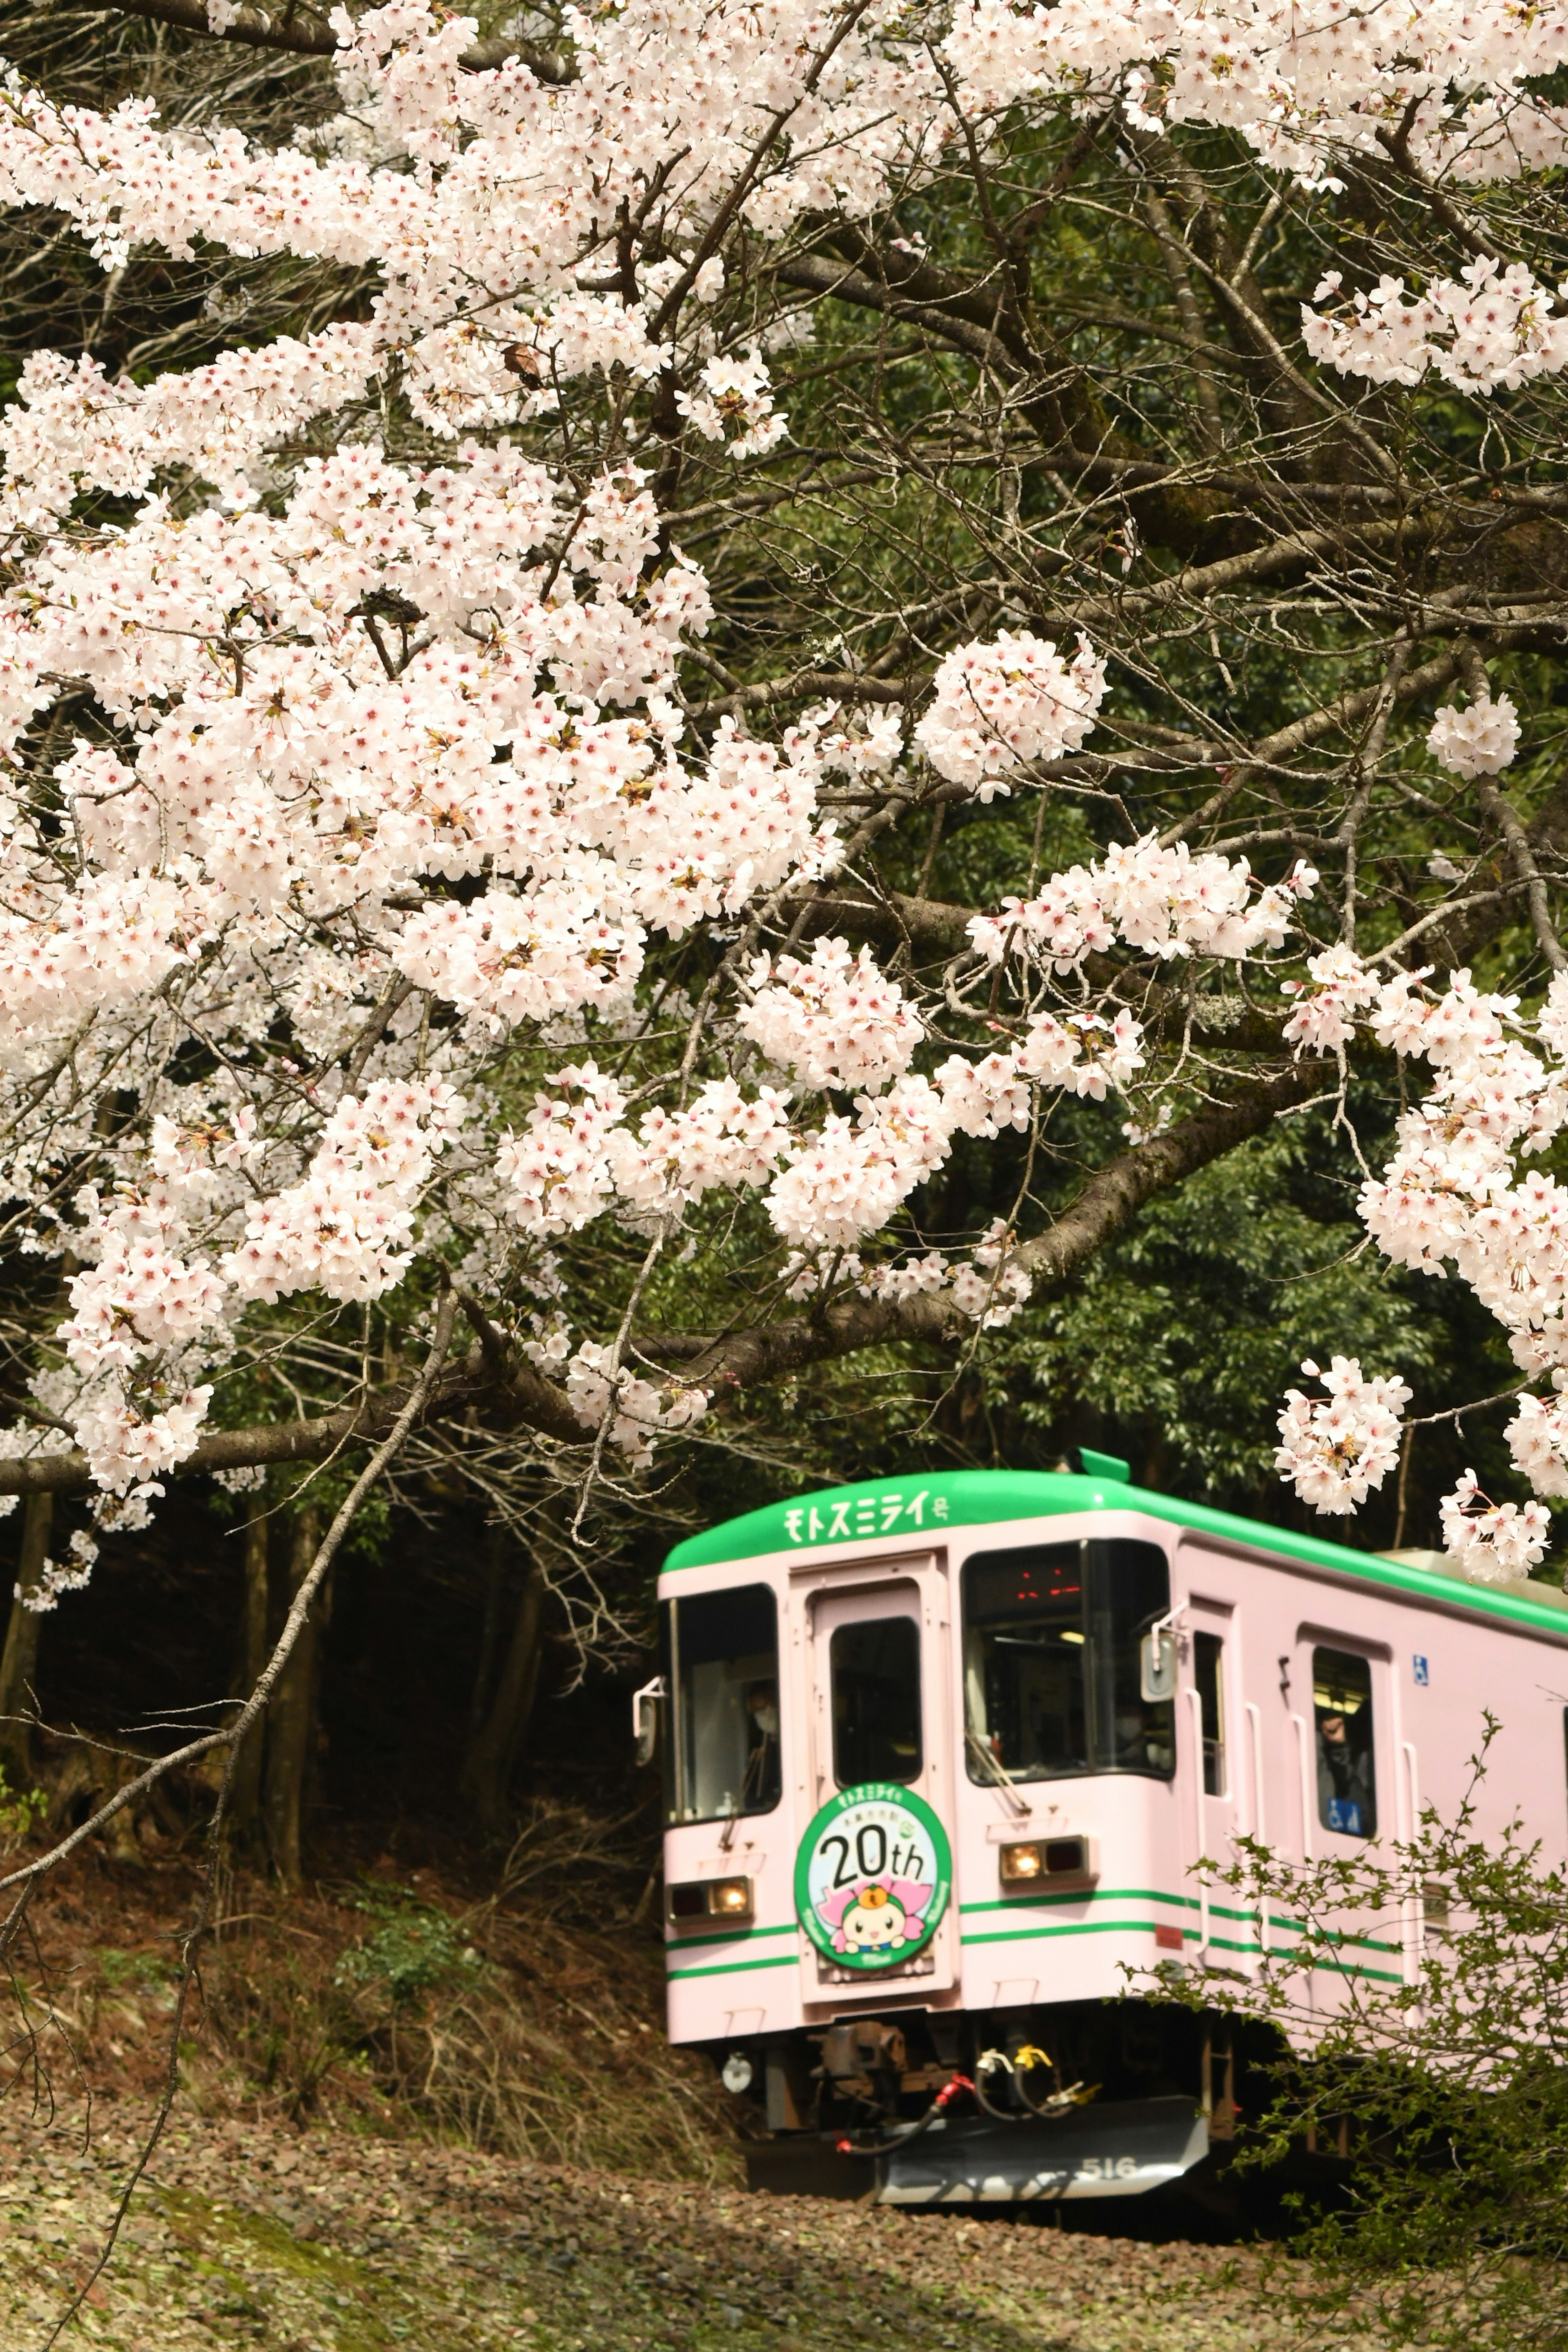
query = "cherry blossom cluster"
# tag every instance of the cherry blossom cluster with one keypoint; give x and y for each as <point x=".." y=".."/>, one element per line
<point x="1165" y="901"/>
<point x="1337" y="988"/>
<point x="129" y="1438"/>
<point x="835" y="1020"/>
<point x="1478" y="741"/>
<point x="1454" y="1196"/>
<point x="866" y="744"/>
<point x="1489" y="329"/>
<point x="62" y="1576"/>
<point x="1338" y="1448"/>
<point x="577" y="1154"/>
<point x="634" y="1412"/>
<point x="606" y="1394"/>
<point x="71" y="427"/>
<point x="836" y="1184"/>
<point x="512" y="180"/>
<point x="992" y="1286"/>
<point x="995" y="707"/>
<point x="845" y="1180"/>
<point x="1493" y="1543"/>
<point x="1301" y="83"/>
<point x="389" y="775"/>
<point x="1538" y="1438"/>
<point x="345" y="1227"/>
<point x="735" y="406"/>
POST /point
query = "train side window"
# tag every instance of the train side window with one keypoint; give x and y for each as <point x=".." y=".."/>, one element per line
<point x="722" y="1662"/>
<point x="1209" y="1654"/>
<point x="874" y="1667"/>
<point x="1347" y="1771"/>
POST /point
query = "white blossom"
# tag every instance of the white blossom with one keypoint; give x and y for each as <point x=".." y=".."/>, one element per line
<point x="995" y="707"/>
<point x="1491" y="330"/>
<point x="1476" y="742"/>
<point x="1492" y="1543"/>
<point x="835" y="1020"/>
<point x="388" y="780"/>
<point x="1339" y="1447"/>
<point x="1538" y="1439"/>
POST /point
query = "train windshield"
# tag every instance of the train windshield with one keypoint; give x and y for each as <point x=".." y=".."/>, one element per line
<point x="1051" y="1679"/>
<point x="721" y="1663"/>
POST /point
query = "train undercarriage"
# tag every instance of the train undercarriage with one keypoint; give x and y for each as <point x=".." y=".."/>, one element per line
<point x="1072" y="2101"/>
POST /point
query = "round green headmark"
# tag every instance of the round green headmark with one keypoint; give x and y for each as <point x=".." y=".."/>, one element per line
<point x="872" y="1876"/>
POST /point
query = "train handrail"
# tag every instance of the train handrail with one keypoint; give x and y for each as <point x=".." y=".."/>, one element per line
<point x="1309" y="1790"/>
<point x="1195" y="1705"/>
<point x="1415" y="1909"/>
<point x="1254" y="1730"/>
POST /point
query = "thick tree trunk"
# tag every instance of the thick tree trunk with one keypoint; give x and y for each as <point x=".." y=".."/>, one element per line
<point x="291" y="1718"/>
<point x="493" y="1751"/>
<point x="19" y="1663"/>
<point x="244" y="1797"/>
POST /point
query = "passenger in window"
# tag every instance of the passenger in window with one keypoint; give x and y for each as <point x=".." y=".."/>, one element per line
<point x="1344" y="1779"/>
<point x="762" y="1778"/>
<point x="1136" y="1749"/>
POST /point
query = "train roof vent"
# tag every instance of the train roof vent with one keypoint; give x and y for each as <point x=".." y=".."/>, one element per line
<point x="1090" y="1464"/>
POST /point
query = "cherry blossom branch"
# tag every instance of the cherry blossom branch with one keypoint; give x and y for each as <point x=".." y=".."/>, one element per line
<point x="522" y="1391"/>
<point x="1396" y="144"/>
<point x="304" y="33"/>
<point x="743" y="1360"/>
<point x="1495" y="806"/>
<point x="1111" y="1199"/>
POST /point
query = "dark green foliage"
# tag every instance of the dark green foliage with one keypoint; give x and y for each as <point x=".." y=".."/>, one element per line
<point x="414" y="1948"/>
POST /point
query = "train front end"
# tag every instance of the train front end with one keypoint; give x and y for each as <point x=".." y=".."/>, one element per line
<point x="920" y="1752"/>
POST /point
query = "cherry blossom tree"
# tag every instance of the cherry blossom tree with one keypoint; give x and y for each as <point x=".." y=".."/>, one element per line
<point x="790" y="604"/>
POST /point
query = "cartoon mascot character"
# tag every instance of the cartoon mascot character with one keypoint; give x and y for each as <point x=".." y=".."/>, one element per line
<point x="877" y="1916"/>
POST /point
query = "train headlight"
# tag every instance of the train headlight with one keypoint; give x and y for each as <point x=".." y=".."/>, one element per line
<point x="700" y="1899"/>
<point x="1050" y="1861"/>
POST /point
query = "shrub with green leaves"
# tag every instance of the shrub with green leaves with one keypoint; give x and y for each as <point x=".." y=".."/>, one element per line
<point x="411" y="1949"/>
<point x="19" y="1809"/>
<point x="1452" y="2228"/>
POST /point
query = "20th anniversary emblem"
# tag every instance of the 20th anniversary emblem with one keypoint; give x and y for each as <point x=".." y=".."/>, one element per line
<point x="872" y="1876"/>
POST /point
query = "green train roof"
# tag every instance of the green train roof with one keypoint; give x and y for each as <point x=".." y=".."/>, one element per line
<point x="919" y="1504"/>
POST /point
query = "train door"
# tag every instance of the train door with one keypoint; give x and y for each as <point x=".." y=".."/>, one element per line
<point x="876" y="1655"/>
<point x="1340" y="1706"/>
<point x="1209" y="1749"/>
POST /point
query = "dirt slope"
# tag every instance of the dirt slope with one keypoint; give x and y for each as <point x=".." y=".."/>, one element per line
<point x="323" y="2241"/>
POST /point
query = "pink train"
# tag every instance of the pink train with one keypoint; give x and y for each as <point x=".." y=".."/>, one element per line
<point x="939" y="1755"/>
